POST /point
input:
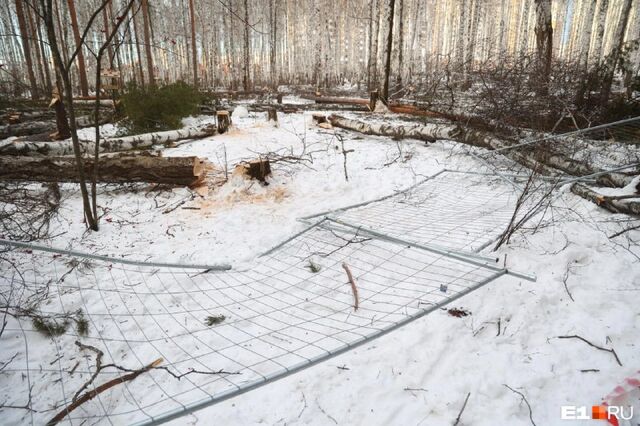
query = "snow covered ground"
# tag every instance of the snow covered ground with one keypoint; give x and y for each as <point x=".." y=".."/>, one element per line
<point x="587" y="285"/>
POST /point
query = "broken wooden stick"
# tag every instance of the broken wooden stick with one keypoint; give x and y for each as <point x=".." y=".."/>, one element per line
<point x="89" y="395"/>
<point x="354" y="289"/>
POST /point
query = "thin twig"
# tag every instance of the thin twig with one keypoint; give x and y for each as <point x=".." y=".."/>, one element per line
<point x="524" y="398"/>
<point x="612" y="351"/>
<point x="462" y="409"/>
<point x="564" y="281"/>
<point x="617" y="234"/>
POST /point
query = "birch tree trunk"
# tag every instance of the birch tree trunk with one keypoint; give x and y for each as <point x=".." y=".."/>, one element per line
<point x="544" y="43"/>
<point x="618" y="40"/>
<point x="585" y="37"/>
<point x="127" y="143"/>
<point x="601" y="16"/>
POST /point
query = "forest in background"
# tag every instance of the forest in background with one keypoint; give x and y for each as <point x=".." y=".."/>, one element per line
<point x="253" y="44"/>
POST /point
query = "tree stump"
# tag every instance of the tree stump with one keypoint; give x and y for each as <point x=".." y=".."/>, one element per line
<point x="319" y="118"/>
<point x="373" y="98"/>
<point x="224" y="120"/>
<point x="272" y="114"/>
<point x="258" y="169"/>
<point x="279" y="98"/>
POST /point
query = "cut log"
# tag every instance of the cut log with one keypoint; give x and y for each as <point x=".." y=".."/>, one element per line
<point x="182" y="171"/>
<point x="144" y="141"/>
<point x="613" y="204"/>
<point x="224" y="121"/>
<point x="339" y="101"/>
<point x="547" y="163"/>
<point x="412" y="110"/>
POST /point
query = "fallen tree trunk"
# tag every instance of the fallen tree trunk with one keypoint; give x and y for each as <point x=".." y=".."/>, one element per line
<point x="432" y="132"/>
<point x="332" y="100"/>
<point x="545" y="162"/>
<point x="610" y="203"/>
<point x="37" y="127"/>
<point x="27" y="116"/>
<point x="182" y="171"/>
<point x="144" y="141"/>
<point x="413" y="110"/>
<point x="103" y="102"/>
<point x="26" y="129"/>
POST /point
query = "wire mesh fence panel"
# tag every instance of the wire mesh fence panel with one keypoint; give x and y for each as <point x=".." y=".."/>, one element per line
<point x="206" y="336"/>
<point x="454" y="210"/>
<point x="603" y="147"/>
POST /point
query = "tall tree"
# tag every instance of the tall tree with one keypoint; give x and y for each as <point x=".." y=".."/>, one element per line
<point x="82" y="70"/>
<point x="147" y="40"/>
<point x="601" y="16"/>
<point x="374" y="21"/>
<point x="194" y="50"/>
<point x="585" y="35"/>
<point x="460" y="36"/>
<point x="273" y="23"/>
<point x="388" y="17"/>
<point x="138" y="51"/>
<point x="246" y="67"/>
<point x="25" y="39"/>
<point x="544" y="42"/>
<point x="616" y="52"/>
<point x="45" y="61"/>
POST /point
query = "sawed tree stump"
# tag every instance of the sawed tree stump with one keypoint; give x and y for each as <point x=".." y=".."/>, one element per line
<point x="224" y="121"/>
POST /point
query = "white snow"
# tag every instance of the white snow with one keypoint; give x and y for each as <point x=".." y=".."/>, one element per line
<point x="239" y="112"/>
<point x="421" y="373"/>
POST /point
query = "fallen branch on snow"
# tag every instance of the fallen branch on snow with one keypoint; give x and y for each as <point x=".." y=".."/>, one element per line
<point x="524" y="398"/>
<point x="611" y="351"/>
